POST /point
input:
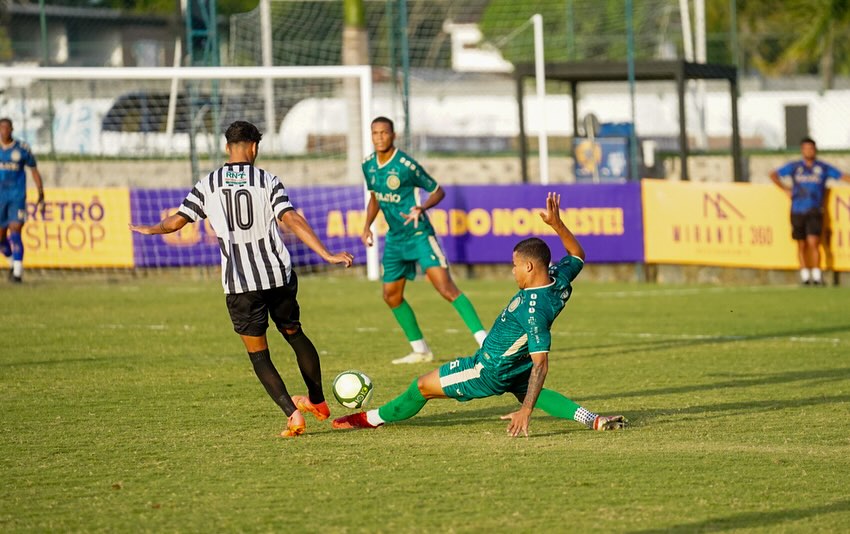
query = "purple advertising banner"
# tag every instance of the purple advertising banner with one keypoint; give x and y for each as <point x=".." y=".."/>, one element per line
<point x="481" y="224"/>
<point x="475" y="224"/>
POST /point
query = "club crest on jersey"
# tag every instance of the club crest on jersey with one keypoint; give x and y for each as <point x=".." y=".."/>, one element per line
<point x="393" y="182"/>
<point x="15" y="155"/>
<point x="514" y="304"/>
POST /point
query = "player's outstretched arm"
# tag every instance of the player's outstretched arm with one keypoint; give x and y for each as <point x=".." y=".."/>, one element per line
<point x="416" y="211"/>
<point x="372" y="210"/>
<point x="519" y="419"/>
<point x="302" y="229"/>
<point x="552" y="217"/>
<point x="172" y="223"/>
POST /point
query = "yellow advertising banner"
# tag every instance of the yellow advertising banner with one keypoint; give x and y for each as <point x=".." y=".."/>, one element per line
<point x="726" y="224"/>
<point x="78" y="228"/>
<point x="838" y="229"/>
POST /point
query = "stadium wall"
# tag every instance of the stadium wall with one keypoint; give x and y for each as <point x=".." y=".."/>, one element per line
<point x="447" y="170"/>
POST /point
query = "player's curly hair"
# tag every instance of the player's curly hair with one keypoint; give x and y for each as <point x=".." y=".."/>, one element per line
<point x="534" y="249"/>
<point x="242" y="132"/>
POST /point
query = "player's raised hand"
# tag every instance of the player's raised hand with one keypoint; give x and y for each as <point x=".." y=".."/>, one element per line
<point x="518" y="422"/>
<point x="413" y="216"/>
<point x="553" y="209"/>
<point x="366" y="237"/>
<point x="341" y="258"/>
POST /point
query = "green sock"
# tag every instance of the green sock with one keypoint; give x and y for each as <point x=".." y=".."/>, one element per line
<point x="404" y="406"/>
<point x="467" y="313"/>
<point x="557" y="405"/>
<point x="405" y="317"/>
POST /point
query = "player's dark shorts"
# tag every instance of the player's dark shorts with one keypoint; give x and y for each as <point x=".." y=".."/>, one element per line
<point x="250" y="311"/>
<point x="402" y="255"/>
<point x="13" y="208"/>
<point x="806" y="223"/>
<point x="466" y="378"/>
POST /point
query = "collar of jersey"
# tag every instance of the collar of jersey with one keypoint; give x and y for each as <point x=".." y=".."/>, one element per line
<point x="540" y="287"/>
<point x="238" y="163"/>
<point x="381" y="166"/>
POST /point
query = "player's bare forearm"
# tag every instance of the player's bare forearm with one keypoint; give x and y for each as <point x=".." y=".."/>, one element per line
<point x="433" y="199"/>
<point x="552" y="217"/>
<point x="372" y="210"/>
<point x="303" y="231"/>
<point x="535" y="380"/>
<point x="170" y="224"/>
<point x="39" y="184"/>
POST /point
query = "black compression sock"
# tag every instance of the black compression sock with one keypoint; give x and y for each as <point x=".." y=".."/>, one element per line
<point x="308" y="363"/>
<point x="270" y="378"/>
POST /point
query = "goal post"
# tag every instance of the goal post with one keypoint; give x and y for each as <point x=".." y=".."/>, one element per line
<point x="132" y="122"/>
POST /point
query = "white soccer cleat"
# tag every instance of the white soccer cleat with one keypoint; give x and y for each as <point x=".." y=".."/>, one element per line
<point x="610" y="422"/>
<point x="416" y="357"/>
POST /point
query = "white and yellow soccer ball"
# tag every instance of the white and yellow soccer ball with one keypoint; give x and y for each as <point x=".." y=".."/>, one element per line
<point x="352" y="389"/>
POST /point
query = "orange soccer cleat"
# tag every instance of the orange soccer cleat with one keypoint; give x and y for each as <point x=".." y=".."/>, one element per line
<point x="295" y="425"/>
<point x="355" y="420"/>
<point x="320" y="411"/>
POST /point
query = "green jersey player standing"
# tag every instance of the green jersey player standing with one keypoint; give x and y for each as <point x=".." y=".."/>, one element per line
<point x="515" y="355"/>
<point x="392" y="178"/>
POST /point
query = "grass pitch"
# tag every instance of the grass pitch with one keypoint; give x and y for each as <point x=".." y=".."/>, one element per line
<point x="131" y="406"/>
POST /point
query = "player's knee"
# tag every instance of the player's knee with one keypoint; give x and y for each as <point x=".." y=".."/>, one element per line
<point x="393" y="298"/>
<point x="291" y="333"/>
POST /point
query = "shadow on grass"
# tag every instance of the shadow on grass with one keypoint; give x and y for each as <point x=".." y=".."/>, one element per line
<point x="752" y="519"/>
<point x="827" y="375"/>
<point x="643" y="345"/>
<point x="643" y="416"/>
<point x="57" y="361"/>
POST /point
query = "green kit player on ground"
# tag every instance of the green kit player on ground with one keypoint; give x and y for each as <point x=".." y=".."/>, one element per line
<point x="515" y="355"/>
<point x="392" y="178"/>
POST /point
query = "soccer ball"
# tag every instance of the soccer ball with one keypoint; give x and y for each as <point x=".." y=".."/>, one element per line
<point x="352" y="389"/>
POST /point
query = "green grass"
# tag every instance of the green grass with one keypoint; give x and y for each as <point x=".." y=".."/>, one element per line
<point x="131" y="406"/>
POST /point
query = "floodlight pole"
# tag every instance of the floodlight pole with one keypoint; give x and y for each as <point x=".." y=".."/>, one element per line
<point x="268" y="83"/>
<point x="630" y="37"/>
<point x="540" y="76"/>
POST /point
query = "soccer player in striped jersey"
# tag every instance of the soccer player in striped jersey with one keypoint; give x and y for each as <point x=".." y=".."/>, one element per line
<point x="14" y="156"/>
<point x="244" y="205"/>
<point x="515" y="355"/>
<point x="392" y="178"/>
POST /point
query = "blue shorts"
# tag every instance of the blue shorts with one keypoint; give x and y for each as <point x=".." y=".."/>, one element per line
<point x="13" y="208"/>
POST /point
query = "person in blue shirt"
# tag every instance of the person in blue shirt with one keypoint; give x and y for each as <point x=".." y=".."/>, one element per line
<point x="807" y="191"/>
<point x="14" y="156"/>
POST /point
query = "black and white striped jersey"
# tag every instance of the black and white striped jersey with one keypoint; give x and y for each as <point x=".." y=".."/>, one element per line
<point x="243" y="203"/>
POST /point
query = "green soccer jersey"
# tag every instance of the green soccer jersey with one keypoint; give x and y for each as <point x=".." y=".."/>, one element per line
<point x="394" y="184"/>
<point x="523" y="326"/>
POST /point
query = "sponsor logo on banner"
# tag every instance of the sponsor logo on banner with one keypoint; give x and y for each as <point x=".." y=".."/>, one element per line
<point x="78" y="227"/>
<point x="837" y="249"/>
<point x="742" y="225"/>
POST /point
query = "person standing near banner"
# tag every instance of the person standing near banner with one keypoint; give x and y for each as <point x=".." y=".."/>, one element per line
<point x="14" y="156"/>
<point x="807" y="192"/>
<point x="392" y="178"/>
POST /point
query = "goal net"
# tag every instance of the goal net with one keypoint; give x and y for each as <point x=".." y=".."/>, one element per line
<point x="118" y="145"/>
